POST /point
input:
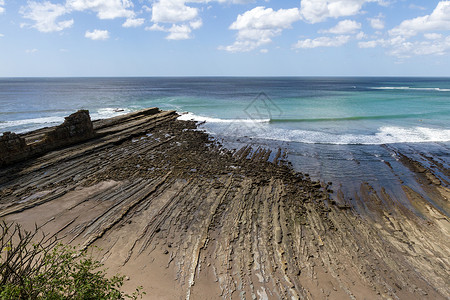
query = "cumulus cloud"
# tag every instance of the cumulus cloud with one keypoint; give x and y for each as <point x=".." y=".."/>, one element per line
<point x="172" y="11"/>
<point x="406" y="49"/>
<point x="433" y="36"/>
<point x="376" y="23"/>
<point x="183" y="18"/>
<point x="314" y="11"/>
<point x="368" y="44"/>
<point x="105" y="9"/>
<point x="404" y="40"/>
<point x="196" y="24"/>
<point x="2" y="9"/>
<point x="439" y="19"/>
<point x="179" y="32"/>
<point x="323" y="41"/>
<point x="344" y="27"/>
<point x="131" y="22"/>
<point x="403" y="48"/>
<point x="176" y="32"/>
<point x="258" y="26"/>
<point x="361" y="35"/>
<point x="45" y="15"/>
<point x="97" y="35"/>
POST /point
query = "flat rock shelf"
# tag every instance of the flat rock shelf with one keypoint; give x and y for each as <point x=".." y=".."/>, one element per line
<point x="188" y="219"/>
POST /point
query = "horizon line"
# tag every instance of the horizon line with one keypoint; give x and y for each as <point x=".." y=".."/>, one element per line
<point x="231" y="76"/>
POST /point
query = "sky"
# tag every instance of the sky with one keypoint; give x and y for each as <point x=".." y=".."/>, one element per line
<point x="74" y="38"/>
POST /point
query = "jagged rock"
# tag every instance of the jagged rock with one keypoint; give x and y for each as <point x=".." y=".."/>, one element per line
<point x="11" y="142"/>
<point x="12" y="146"/>
<point x="76" y="128"/>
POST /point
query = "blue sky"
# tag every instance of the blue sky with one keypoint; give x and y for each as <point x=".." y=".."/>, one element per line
<point x="224" y="38"/>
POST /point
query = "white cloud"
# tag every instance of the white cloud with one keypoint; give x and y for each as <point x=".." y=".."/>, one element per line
<point x="405" y="41"/>
<point x="258" y="26"/>
<point x="2" y="9"/>
<point x="105" y="9"/>
<point x="264" y="51"/>
<point x="408" y="49"/>
<point x="439" y="19"/>
<point x="324" y="41"/>
<point x="368" y="44"/>
<point x="344" y="27"/>
<point x="376" y="23"/>
<point x="97" y="35"/>
<point x="45" y="15"/>
<point x="183" y="18"/>
<point x="1" y="35"/>
<point x="361" y="35"/>
<point x="179" y="32"/>
<point x="156" y="27"/>
<point x="433" y="36"/>
<point x="196" y="24"/>
<point x="176" y="32"/>
<point x="314" y="11"/>
<point x="172" y="11"/>
<point x="403" y="48"/>
<point x="131" y="22"/>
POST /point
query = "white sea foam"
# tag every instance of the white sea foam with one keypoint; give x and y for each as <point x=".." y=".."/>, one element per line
<point x="25" y="125"/>
<point x="108" y="112"/>
<point x="34" y="121"/>
<point x="193" y="117"/>
<point x="435" y="89"/>
<point x="384" y="135"/>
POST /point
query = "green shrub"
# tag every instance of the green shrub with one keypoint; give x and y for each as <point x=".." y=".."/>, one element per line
<point x="44" y="268"/>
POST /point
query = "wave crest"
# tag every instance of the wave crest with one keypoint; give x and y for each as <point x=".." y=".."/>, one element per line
<point x="193" y="117"/>
<point x="435" y="89"/>
<point x="384" y="135"/>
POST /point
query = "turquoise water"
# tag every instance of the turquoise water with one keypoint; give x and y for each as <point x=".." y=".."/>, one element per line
<point x="308" y="110"/>
<point x="344" y="130"/>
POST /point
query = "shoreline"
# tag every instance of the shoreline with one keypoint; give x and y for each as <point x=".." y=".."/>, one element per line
<point x="186" y="218"/>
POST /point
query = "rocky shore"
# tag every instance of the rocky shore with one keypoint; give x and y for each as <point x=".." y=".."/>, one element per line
<point x="188" y="219"/>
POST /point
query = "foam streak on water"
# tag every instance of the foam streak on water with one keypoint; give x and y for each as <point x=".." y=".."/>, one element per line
<point x="384" y="135"/>
<point x="410" y="88"/>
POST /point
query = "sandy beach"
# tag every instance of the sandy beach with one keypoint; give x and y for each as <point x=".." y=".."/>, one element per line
<point x="186" y="218"/>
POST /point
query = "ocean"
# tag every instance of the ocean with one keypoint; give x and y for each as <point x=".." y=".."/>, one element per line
<point x="345" y="130"/>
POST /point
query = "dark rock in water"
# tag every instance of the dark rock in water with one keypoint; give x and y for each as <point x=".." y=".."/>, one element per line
<point x="12" y="147"/>
<point x="76" y="128"/>
<point x="11" y="142"/>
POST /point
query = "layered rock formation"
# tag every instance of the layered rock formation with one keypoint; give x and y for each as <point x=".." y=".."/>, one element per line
<point x="187" y="219"/>
<point x="76" y="128"/>
<point x="12" y="148"/>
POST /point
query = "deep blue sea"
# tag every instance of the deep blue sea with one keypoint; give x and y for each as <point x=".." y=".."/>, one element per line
<point x="336" y="129"/>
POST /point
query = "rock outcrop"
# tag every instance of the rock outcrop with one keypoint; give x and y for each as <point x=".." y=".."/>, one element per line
<point x="76" y="128"/>
<point x="188" y="219"/>
<point x="12" y="148"/>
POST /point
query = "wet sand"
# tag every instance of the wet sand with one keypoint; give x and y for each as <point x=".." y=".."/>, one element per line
<point x="188" y="219"/>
